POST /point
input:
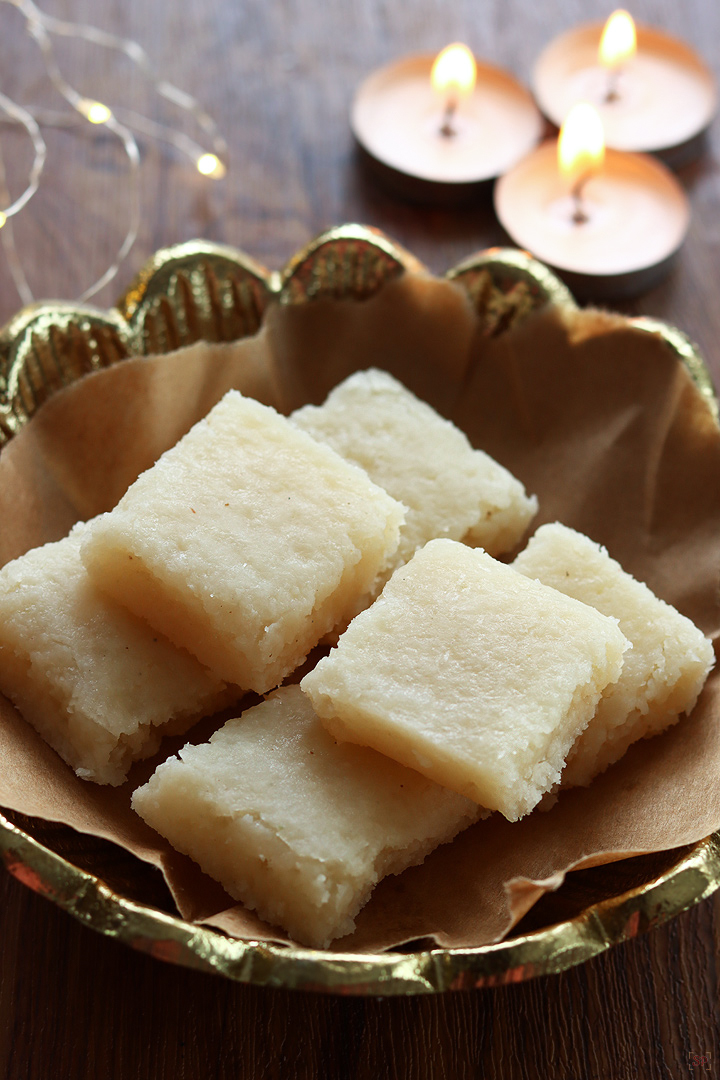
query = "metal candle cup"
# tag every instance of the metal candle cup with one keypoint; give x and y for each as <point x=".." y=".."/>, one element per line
<point x="659" y="99"/>
<point x="429" y="147"/>
<point x="609" y="222"/>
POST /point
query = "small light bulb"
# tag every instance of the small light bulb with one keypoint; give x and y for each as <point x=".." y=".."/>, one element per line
<point x="95" y="111"/>
<point x="3" y="219"/>
<point x="211" y="165"/>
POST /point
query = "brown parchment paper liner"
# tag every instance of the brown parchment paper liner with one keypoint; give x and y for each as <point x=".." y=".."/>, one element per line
<point x="600" y="420"/>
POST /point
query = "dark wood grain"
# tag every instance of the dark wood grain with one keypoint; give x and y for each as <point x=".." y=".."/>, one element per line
<point x="278" y="76"/>
<point x="75" y="1004"/>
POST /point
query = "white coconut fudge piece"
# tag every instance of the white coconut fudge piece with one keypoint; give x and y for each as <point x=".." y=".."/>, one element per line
<point x="662" y="674"/>
<point x="296" y="826"/>
<point x="245" y="543"/>
<point x="474" y="675"/>
<point x="450" y="490"/>
<point x="98" y="684"/>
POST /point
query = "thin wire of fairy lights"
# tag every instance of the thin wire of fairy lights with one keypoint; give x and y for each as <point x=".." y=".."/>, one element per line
<point x="120" y="122"/>
<point x="8" y="239"/>
<point x="21" y="116"/>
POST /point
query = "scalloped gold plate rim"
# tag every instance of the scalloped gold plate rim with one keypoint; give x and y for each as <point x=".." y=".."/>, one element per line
<point x="350" y="260"/>
<point x="548" y="951"/>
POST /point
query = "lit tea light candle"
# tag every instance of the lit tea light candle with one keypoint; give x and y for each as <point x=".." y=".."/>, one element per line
<point x="436" y="128"/>
<point x="610" y="223"/>
<point x="653" y="92"/>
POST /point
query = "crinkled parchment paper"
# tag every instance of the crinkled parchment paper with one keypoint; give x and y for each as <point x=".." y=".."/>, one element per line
<point x="600" y="420"/>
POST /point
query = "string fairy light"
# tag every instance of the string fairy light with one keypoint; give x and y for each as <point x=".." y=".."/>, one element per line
<point x="120" y="122"/>
<point x="21" y="116"/>
<point x="8" y="236"/>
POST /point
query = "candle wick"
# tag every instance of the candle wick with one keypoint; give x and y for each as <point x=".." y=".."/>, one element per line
<point x="612" y="91"/>
<point x="580" y="215"/>
<point x="447" y="128"/>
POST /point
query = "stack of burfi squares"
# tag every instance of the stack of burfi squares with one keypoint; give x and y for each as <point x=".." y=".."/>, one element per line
<point x="461" y="688"/>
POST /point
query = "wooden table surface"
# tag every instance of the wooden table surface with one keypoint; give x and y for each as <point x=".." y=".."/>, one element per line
<point x="278" y="77"/>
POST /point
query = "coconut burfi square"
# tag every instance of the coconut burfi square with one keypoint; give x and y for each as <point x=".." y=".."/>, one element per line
<point x="664" y="671"/>
<point x="463" y="672"/>
<point x="245" y="543"/>
<point x="450" y="490"/>
<point x="296" y="826"/>
<point x="98" y="684"/>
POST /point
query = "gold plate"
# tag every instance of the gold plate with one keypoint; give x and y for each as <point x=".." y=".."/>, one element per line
<point x="202" y="291"/>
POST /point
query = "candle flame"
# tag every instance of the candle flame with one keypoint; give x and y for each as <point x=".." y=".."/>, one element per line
<point x="619" y="40"/>
<point x="3" y="218"/>
<point x="454" y="71"/>
<point x="581" y="146"/>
